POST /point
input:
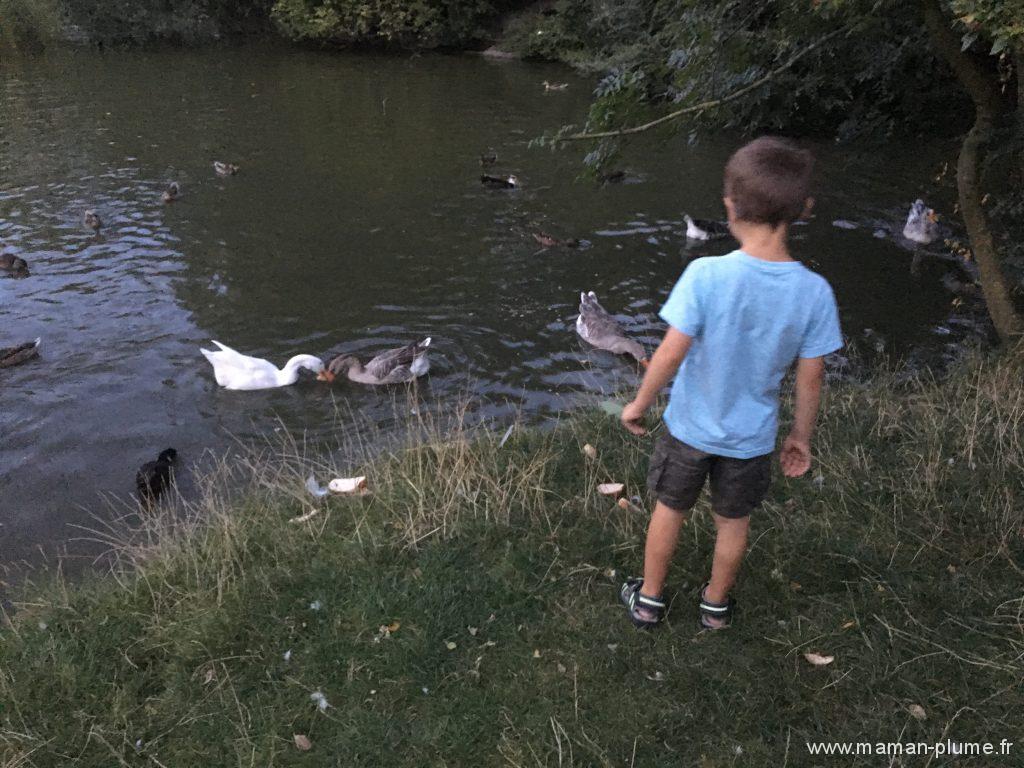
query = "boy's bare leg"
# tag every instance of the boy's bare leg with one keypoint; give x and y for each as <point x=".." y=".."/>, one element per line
<point x="730" y="548"/>
<point x="662" y="535"/>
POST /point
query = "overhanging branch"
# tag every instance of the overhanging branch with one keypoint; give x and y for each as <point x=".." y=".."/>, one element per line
<point x="704" y="105"/>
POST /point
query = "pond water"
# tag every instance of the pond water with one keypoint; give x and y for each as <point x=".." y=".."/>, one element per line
<point x="357" y="222"/>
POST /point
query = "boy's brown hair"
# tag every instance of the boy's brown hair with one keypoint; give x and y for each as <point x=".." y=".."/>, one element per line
<point x="769" y="181"/>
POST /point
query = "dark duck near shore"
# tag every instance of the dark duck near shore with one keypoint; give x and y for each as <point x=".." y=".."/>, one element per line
<point x="155" y="477"/>
<point x="171" y="193"/>
<point x="499" y="182"/>
<point x="10" y="356"/>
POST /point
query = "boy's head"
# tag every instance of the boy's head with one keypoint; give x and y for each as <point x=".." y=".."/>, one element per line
<point x="768" y="182"/>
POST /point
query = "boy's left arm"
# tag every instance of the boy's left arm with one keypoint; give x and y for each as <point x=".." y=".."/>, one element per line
<point x="664" y="364"/>
<point x="795" y="456"/>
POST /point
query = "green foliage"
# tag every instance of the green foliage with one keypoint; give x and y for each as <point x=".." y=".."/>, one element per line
<point x="28" y="24"/>
<point x="878" y="78"/>
<point x="420" y="23"/>
<point x="181" y="21"/>
<point x="1001" y="21"/>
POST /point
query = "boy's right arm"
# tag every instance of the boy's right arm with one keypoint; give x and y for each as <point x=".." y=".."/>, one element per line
<point x="664" y="364"/>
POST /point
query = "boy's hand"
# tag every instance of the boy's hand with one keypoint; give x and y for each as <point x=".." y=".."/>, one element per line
<point x="795" y="456"/>
<point x="662" y="368"/>
<point x="631" y="416"/>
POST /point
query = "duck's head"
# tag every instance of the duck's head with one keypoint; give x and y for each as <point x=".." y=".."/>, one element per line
<point x="921" y="223"/>
<point x="168" y="456"/>
<point x="513" y="180"/>
<point x="919" y="212"/>
<point x="337" y="367"/>
<point x="309" y="362"/>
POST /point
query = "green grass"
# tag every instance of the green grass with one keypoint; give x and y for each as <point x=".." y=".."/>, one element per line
<point x="501" y="564"/>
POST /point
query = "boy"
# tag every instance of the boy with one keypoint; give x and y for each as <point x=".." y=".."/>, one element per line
<point x="737" y="322"/>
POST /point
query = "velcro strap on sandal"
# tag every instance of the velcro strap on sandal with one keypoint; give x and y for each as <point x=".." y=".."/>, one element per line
<point x="649" y="602"/>
<point x="717" y="608"/>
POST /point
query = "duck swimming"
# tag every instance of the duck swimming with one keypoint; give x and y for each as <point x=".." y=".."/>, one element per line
<point x="921" y="226"/>
<point x="233" y="370"/>
<point x="555" y="86"/>
<point x="705" y="229"/>
<point x="154" y="477"/>
<point x="599" y="329"/>
<point x="392" y="367"/>
<point x="549" y="241"/>
<point x="15" y="266"/>
<point x="499" y="182"/>
<point x="224" y="169"/>
<point x="171" y="193"/>
<point x="92" y="220"/>
<point x="10" y="356"/>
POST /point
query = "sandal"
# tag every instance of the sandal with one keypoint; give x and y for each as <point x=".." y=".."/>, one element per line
<point x="721" y="611"/>
<point x="636" y="602"/>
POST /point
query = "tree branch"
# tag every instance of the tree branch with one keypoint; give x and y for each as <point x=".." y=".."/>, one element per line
<point x="705" y="105"/>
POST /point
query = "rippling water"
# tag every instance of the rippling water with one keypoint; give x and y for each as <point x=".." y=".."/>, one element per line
<point x="356" y="223"/>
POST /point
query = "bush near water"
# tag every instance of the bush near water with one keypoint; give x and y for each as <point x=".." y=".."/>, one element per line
<point x="465" y="613"/>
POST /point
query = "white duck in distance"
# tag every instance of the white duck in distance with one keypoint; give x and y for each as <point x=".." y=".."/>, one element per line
<point x="394" y="366"/>
<point x="921" y="226"/>
<point x="233" y="370"/>
<point x="599" y="329"/>
<point x="224" y="169"/>
<point x="705" y="229"/>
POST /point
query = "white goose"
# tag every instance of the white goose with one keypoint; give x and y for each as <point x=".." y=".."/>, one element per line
<point x="921" y="226"/>
<point x="234" y="370"/>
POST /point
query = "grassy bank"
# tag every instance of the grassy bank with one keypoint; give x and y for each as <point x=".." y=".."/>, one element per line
<point x="496" y="569"/>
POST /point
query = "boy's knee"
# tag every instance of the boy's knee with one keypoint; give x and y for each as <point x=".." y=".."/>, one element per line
<point x="668" y="508"/>
<point x="732" y="525"/>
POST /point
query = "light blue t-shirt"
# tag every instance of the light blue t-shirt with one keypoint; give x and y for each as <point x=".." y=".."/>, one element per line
<point x="749" y="319"/>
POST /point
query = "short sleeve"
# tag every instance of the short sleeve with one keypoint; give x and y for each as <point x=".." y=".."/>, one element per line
<point x="684" y="309"/>
<point x="823" y="334"/>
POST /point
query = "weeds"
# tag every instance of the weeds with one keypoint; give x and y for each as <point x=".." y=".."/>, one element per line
<point x="464" y="613"/>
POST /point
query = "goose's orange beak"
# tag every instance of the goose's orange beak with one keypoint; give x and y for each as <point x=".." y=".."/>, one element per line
<point x="325" y="375"/>
<point x="933" y="216"/>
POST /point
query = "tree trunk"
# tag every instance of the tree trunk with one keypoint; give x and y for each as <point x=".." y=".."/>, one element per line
<point x="988" y="107"/>
<point x="1019" y="66"/>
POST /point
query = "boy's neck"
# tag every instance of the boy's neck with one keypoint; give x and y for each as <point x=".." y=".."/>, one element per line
<point x="762" y="242"/>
